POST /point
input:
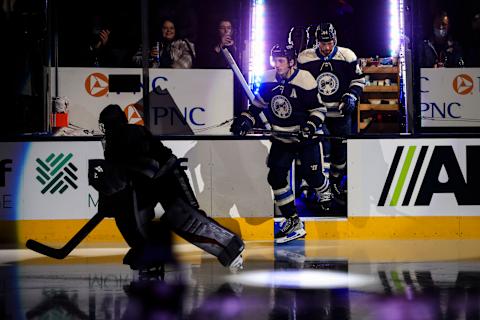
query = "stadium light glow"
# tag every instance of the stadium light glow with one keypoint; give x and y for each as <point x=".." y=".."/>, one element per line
<point x="394" y="27"/>
<point x="302" y="279"/>
<point x="257" y="44"/>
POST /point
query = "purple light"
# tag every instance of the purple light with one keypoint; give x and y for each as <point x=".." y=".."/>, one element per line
<point x="394" y="27"/>
<point x="257" y="44"/>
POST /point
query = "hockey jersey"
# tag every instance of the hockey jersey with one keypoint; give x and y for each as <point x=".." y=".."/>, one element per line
<point x="336" y="74"/>
<point x="287" y="104"/>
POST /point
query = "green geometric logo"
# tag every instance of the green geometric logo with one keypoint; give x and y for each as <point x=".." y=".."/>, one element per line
<point x="57" y="173"/>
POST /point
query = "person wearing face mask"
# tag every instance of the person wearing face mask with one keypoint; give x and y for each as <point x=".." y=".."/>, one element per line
<point x="441" y="50"/>
<point x="170" y="51"/>
<point x="472" y="58"/>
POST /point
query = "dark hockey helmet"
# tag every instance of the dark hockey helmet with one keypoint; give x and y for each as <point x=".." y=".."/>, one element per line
<point x="297" y="35"/>
<point x="112" y="116"/>
<point x="311" y="38"/>
<point x="326" y="32"/>
<point x="287" y="51"/>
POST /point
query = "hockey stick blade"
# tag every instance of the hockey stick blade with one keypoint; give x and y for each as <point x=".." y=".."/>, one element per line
<point x="61" y="253"/>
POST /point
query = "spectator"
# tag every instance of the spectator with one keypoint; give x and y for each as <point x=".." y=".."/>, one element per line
<point x="224" y="37"/>
<point x="170" y="51"/>
<point x="99" y="45"/>
<point x="473" y="53"/>
<point x="441" y="50"/>
<point x="212" y="57"/>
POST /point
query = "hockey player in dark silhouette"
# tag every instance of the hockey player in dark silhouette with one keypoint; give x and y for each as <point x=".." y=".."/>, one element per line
<point x="138" y="173"/>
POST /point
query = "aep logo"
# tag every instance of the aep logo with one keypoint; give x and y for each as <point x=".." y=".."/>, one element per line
<point x="96" y="84"/>
<point x="5" y="166"/>
<point x="443" y="174"/>
<point x="463" y="84"/>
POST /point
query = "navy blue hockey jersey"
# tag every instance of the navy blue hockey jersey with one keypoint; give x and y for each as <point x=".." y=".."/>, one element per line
<point x="336" y="75"/>
<point x="289" y="103"/>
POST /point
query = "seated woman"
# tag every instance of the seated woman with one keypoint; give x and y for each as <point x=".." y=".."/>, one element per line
<point x="170" y="51"/>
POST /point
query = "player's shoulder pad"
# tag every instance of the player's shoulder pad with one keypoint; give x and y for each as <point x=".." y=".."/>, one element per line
<point x="307" y="55"/>
<point x="304" y="80"/>
<point x="346" y="54"/>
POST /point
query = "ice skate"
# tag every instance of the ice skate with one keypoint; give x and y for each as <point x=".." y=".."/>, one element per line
<point x="290" y="229"/>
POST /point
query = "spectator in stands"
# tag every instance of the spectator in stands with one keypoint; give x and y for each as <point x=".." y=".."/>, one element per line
<point x="441" y="50"/>
<point x="224" y="38"/>
<point x="99" y="44"/>
<point x="473" y="52"/>
<point x="169" y="51"/>
<point x="212" y="57"/>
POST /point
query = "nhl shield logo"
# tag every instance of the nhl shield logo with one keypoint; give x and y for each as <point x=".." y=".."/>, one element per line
<point x="281" y="107"/>
<point x="327" y="84"/>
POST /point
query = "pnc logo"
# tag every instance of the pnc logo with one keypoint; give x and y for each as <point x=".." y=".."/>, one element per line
<point x="134" y="114"/>
<point x="56" y="173"/>
<point x="96" y="84"/>
<point x="463" y="84"/>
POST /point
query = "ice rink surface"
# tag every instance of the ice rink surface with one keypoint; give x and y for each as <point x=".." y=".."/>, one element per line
<point x="354" y="279"/>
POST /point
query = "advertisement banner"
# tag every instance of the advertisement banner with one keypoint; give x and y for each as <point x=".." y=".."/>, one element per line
<point x="413" y="177"/>
<point x="450" y="97"/>
<point x="12" y="156"/>
<point x="48" y="180"/>
<point x="55" y="180"/>
<point x="189" y="101"/>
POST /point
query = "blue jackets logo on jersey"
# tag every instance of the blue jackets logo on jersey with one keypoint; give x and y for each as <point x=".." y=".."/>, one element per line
<point x="281" y="107"/>
<point x="328" y="83"/>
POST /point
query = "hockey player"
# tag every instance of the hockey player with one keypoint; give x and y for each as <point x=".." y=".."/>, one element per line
<point x="297" y="38"/>
<point x="138" y="173"/>
<point x="289" y="100"/>
<point x="340" y="84"/>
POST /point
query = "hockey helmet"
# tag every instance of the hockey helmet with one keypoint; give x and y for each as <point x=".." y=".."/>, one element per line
<point x="112" y="116"/>
<point x="297" y="36"/>
<point x="311" y="38"/>
<point x="326" y="32"/>
<point x="287" y="51"/>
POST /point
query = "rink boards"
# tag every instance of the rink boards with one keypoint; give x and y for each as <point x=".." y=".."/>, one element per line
<point x="398" y="189"/>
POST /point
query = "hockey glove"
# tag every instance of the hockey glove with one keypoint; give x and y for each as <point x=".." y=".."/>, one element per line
<point x="348" y="104"/>
<point x="307" y="131"/>
<point x="107" y="179"/>
<point x="241" y="125"/>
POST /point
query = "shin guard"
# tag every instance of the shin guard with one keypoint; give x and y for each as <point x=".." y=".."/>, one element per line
<point x="189" y="223"/>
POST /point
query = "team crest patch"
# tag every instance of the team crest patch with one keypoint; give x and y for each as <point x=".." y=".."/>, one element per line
<point x="327" y="83"/>
<point x="281" y="107"/>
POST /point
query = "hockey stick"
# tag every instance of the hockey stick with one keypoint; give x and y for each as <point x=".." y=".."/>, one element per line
<point x="238" y="74"/>
<point x="64" y="251"/>
<point x="246" y="88"/>
<point x="293" y="134"/>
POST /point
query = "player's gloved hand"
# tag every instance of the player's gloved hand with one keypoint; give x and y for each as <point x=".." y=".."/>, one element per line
<point x="241" y="125"/>
<point x="96" y="173"/>
<point x="348" y="103"/>
<point x="307" y="131"/>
